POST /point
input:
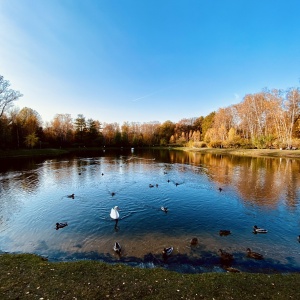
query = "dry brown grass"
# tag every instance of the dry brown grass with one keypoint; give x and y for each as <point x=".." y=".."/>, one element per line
<point x="275" y="153"/>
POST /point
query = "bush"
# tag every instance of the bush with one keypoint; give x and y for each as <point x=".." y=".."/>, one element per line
<point x="199" y="145"/>
<point x="163" y="142"/>
<point x="238" y="142"/>
<point x="190" y="144"/>
<point x="296" y="143"/>
<point x="181" y="141"/>
<point x="215" y="144"/>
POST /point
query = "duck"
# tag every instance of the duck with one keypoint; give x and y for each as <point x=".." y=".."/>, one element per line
<point x="71" y="196"/>
<point x="225" y="256"/>
<point x="151" y="185"/>
<point x="220" y="189"/>
<point x="61" y="225"/>
<point x="232" y="270"/>
<point x="259" y="230"/>
<point x="167" y="251"/>
<point x="254" y="255"/>
<point x="224" y="232"/>
<point x="117" y="248"/>
<point x="113" y="193"/>
<point x="194" y="241"/>
<point x="114" y="213"/>
<point x="164" y="208"/>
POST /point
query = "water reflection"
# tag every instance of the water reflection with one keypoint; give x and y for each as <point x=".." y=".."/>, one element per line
<point x="261" y="181"/>
<point x="203" y="194"/>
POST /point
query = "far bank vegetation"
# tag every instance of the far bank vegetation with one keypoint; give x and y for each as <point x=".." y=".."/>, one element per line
<point x="268" y="119"/>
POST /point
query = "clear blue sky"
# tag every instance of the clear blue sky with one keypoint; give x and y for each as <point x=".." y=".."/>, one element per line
<point x="146" y="60"/>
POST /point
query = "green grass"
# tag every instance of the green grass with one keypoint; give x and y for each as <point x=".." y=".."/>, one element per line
<point x="28" y="276"/>
<point x="32" y="152"/>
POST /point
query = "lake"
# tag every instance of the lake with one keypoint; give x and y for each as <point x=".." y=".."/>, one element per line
<point x="204" y="193"/>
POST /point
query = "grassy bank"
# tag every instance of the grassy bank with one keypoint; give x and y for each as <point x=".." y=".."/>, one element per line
<point x="275" y="153"/>
<point x="28" y="276"/>
<point x="32" y="153"/>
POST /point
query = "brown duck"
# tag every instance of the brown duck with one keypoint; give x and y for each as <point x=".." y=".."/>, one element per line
<point x="254" y="255"/>
<point x="225" y="256"/>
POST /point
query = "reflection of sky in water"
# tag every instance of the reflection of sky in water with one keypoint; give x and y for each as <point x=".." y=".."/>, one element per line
<point x="33" y="199"/>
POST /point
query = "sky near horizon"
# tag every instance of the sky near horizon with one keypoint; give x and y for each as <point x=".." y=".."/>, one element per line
<point x="146" y="60"/>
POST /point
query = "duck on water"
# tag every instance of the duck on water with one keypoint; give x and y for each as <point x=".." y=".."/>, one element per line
<point x="61" y="225"/>
<point x="167" y="252"/>
<point x="259" y="230"/>
<point x="117" y="248"/>
<point x="253" y="254"/>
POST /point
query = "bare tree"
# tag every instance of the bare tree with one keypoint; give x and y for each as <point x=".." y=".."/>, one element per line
<point x="62" y="126"/>
<point x="292" y="106"/>
<point x="7" y="95"/>
<point x="223" y="121"/>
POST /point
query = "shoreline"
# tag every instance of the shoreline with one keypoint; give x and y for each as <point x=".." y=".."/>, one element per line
<point x="50" y="152"/>
<point x="33" y="277"/>
<point x="271" y="153"/>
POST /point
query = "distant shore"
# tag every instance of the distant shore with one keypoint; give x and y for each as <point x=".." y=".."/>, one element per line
<point x="273" y="153"/>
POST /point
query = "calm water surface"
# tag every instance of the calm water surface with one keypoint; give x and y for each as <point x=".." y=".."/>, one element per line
<point x="255" y="191"/>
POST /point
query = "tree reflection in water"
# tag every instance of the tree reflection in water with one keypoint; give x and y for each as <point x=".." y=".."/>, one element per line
<point x="265" y="191"/>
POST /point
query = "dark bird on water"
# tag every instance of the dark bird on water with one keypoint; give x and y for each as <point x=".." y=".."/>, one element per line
<point x="259" y="230"/>
<point x="164" y="208"/>
<point x="194" y="241"/>
<point x="61" y="225"/>
<point x="225" y="256"/>
<point x="224" y="232"/>
<point x="254" y="255"/>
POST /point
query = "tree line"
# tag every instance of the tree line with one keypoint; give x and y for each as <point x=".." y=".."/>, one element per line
<point x="268" y="119"/>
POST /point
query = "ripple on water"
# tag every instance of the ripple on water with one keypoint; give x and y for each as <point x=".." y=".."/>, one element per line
<point x="34" y="200"/>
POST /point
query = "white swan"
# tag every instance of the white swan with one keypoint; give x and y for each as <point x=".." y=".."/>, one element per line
<point x="114" y="213"/>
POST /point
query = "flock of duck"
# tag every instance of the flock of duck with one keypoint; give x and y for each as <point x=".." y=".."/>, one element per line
<point x="228" y="257"/>
<point x="225" y="257"/>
